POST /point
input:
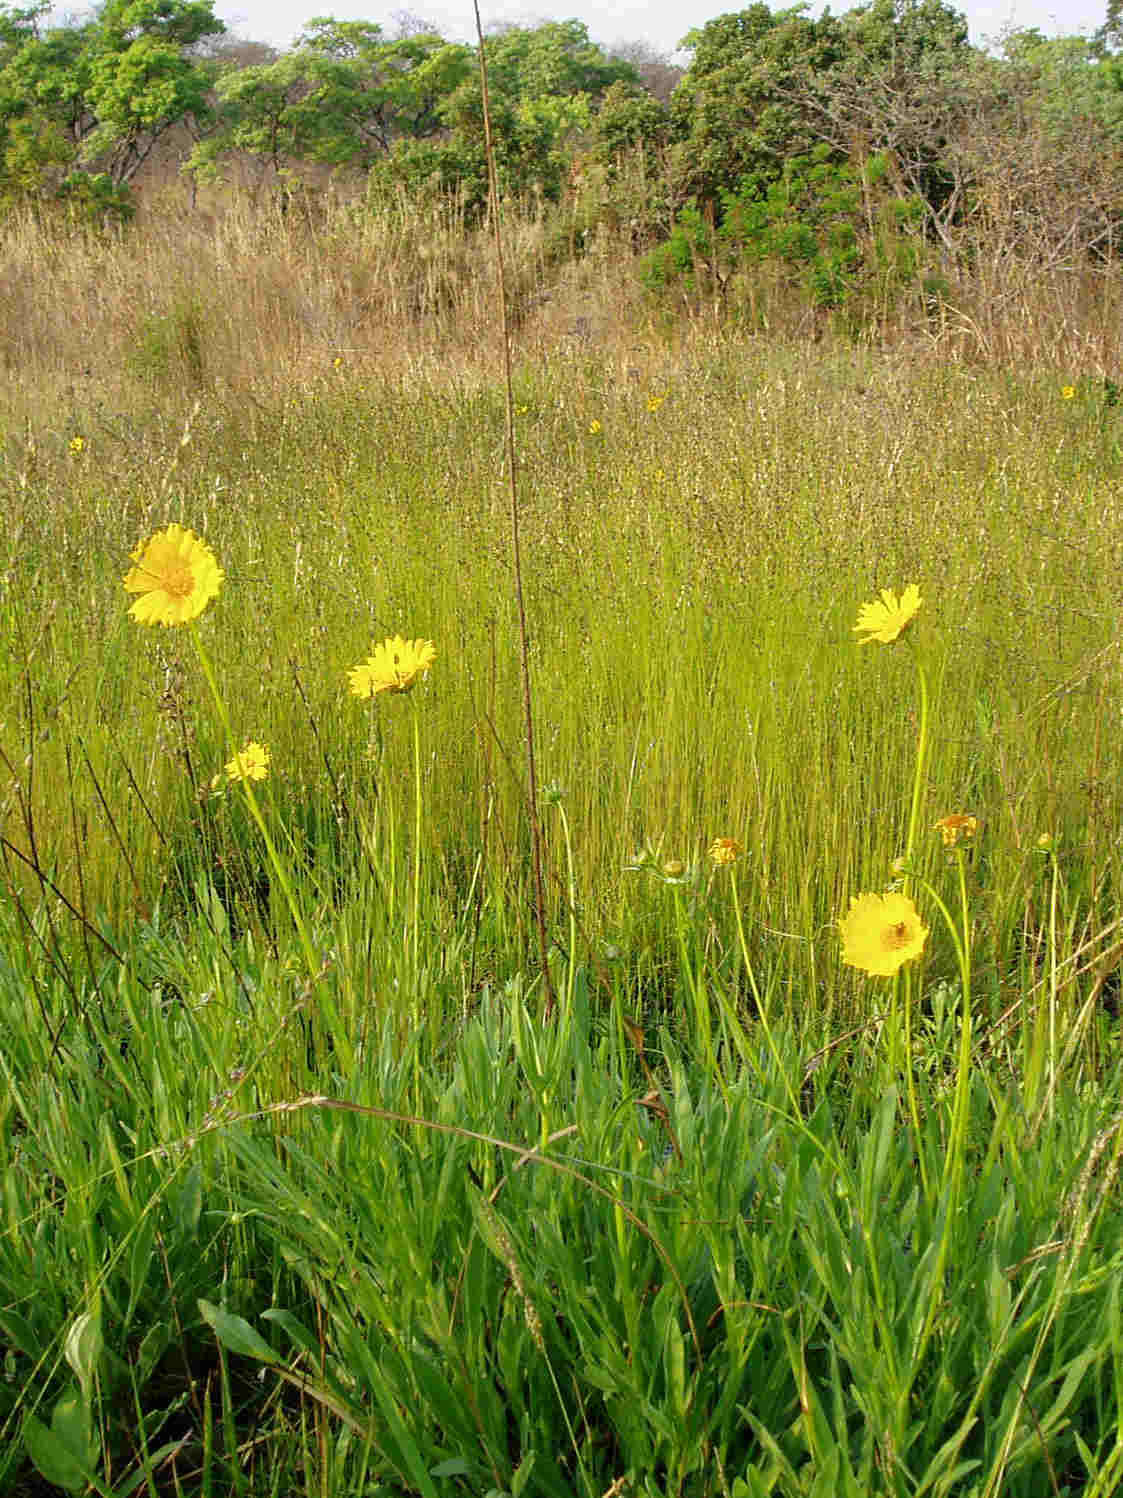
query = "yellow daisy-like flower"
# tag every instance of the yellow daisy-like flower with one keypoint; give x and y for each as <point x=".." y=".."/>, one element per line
<point x="77" y="445"/>
<point x="176" y="575"/>
<point x="394" y="666"/>
<point x="956" y="825"/>
<point x="880" y="933"/>
<point x="1068" y="392"/>
<point x="594" y="427"/>
<point x="250" y="763"/>
<point x="888" y="616"/>
<point x="725" y="850"/>
<point x="654" y="402"/>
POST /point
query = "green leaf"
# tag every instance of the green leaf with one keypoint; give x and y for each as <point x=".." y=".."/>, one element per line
<point x="140" y="1261"/>
<point x="299" y="1333"/>
<point x="21" y="1334"/>
<point x="235" y="1334"/>
<point x="67" y="1454"/>
<point x="72" y="1428"/>
<point x="151" y="1350"/>
<point x="189" y="1203"/>
<point x="155" y="1460"/>
<point x="521" y="1475"/>
<point x="59" y="1466"/>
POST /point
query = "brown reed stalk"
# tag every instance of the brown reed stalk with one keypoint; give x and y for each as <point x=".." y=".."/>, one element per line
<point x="516" y="550"/>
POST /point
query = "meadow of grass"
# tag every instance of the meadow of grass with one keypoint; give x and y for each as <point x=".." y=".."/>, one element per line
<point x="311" y="1181"/>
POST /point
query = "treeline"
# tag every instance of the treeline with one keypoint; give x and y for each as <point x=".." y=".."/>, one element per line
<point x="858" y="152"/>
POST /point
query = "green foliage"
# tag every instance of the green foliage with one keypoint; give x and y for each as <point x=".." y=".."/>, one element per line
<point x="766" y="88"/>
<point x="739" y="112"/>
<point x="98" y="95"/>
<point x="343" y="96"/>
<point x="170" y="347"/>
<point x="629" y="119"/>
<point x="824" y="223"/>
<point x="35" y="147"/>
<point x="545" y="86"/>
<point x="95" y="198"/>
<point x="1072" y="84"/>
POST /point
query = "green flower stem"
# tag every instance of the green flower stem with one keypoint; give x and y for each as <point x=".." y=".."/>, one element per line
<point x="571" y="900"/>
<point x="921" y="767"/>
<point x="910" y="842"/>
<point x="761" y="1005"/>
<point x="696" y="986"/>
<point x="416" y="844"/>
<point x="961" y="940"/>
<point x="954" y="1160"/>
<point x="1035" y="1043"/>
<point x="910" y="1074"/>
<point x="340" y="1039"/>
<point x="796" y="1117"/>
<point x="1052" y="983"/>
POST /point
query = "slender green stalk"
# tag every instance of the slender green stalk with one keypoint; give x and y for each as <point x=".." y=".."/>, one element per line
<point x="417" y="856"/>
<point x="960" y="934"/>
<point x="1052" y="982"/>
<point x="921" y="765"/>
<point x="1041" y="1033"/>
<point x="955" y="1157"/>
<point x="696" y="987"/>
<point x="760" y="1002"/>
<point x="919" y="772"/>
<point x="340" y="1037"/>
<point x="571" y="901"/>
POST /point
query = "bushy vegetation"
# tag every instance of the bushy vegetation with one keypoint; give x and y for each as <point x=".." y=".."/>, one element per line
<point x="716" y="1090"/>
<point x="925" y="152"/>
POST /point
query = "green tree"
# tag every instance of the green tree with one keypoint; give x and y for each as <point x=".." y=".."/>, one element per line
<point x="546" y="85"/>
<point x="629" y="118"/>
<point x="764" y="88"/>
<point x="99" y="95"/>
<point x="739" y="113"/>
<point x="343" y="96"/>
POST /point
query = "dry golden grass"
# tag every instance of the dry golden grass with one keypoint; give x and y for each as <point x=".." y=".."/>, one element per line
<point x="230" y="296"/>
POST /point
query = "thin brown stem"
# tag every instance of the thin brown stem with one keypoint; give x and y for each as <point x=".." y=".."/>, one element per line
<point x="516" y="549"/>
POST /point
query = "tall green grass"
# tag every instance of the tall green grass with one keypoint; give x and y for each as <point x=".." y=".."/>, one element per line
<point x="351" y="1216"/>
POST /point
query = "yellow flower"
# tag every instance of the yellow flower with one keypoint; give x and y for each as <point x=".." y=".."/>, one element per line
<point x="176" y="575"/>
<point x="337" y="362"/>
<point x="725" y="850"/>
<point x="393" y="667"/>
<point x="1068" y="392"/>
<point x="250" y="763"/>
<point x="77" y="444"/>
<point x="659" y="475"/>
<point x="955" y="826"/>
<point x="888" y="616"/>
<point x="654" y="402"/>
<point x="594" y="427"/>
<point x="881" y="932"/>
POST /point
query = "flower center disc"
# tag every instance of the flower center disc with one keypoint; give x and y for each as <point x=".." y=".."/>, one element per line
<point x="894" y="937"/>
<point x="178" y="582"/>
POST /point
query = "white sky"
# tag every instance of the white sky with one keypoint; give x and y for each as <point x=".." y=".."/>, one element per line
<point x="661" y="23"/>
